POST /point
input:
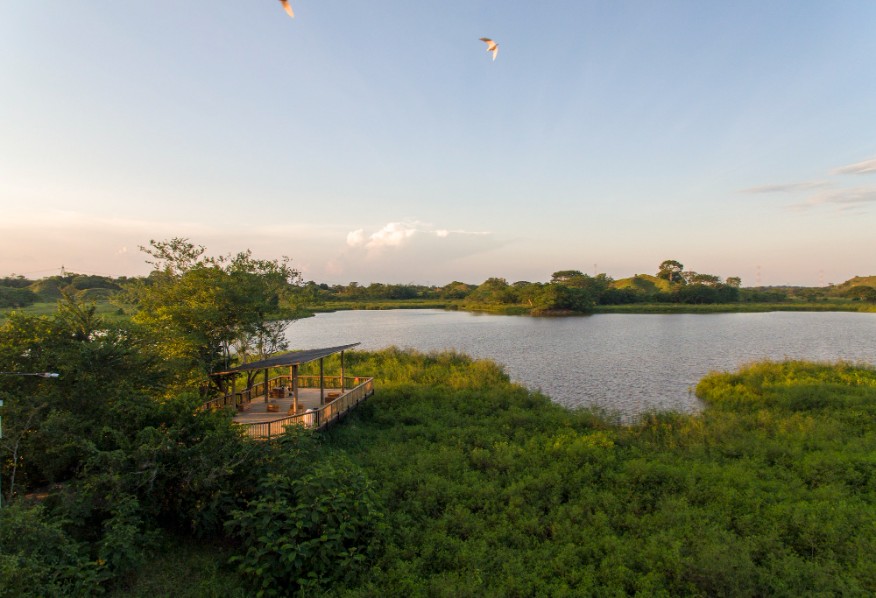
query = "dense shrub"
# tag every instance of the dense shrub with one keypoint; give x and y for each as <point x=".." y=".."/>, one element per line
<point x="308" y="526"/>
<point x="38" y="558"/>
<point x="16" y="297"/>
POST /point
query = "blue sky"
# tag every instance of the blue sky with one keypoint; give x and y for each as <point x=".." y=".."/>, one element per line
<point x="378" y="142"/>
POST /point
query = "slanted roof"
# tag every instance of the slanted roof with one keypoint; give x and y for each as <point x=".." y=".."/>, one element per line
<point x="286" y="359"/>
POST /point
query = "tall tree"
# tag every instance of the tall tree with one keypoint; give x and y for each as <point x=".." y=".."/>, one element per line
<point x="671" y="270"/>
<point x="199" y="307"/>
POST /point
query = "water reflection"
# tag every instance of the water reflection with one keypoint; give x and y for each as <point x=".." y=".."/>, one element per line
<point x="629" y="363"/>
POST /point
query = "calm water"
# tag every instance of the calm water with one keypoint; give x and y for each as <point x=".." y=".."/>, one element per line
<point x="624" y="362"/>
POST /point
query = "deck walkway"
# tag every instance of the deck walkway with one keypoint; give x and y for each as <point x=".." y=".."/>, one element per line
<point x="340" y="396"/>
<point x="256" y="411"/>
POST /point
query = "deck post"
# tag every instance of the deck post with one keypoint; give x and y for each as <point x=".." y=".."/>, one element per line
<point x="295" y="387"/>
<point x="321" y="383"/>
<point x="266" y="385"/>
<point x="234" y="389"/>
<point x="342" y="372"/>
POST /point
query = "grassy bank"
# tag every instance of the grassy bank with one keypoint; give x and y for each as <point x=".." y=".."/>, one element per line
<point x="384" y="304"/>
<point x="108" y="310"/>
<point x="684" y="308"/>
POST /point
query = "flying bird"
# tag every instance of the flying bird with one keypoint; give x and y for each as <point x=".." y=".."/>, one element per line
<point x="491" y="46"/>
<point x="287" y="8"/>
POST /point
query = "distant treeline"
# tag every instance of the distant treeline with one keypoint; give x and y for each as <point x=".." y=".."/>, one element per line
<point x="572" y="290"/>
<point x="567" y="290"/>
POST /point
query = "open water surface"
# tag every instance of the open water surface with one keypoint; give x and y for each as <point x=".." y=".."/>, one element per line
<point x="628" y="363"/>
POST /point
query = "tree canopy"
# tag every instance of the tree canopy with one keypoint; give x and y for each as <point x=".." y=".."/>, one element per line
<point x="203" y="306"/>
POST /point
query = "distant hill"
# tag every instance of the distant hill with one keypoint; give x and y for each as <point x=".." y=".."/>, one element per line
<point x="857" y="281"/>
<point x="642" y="282"/>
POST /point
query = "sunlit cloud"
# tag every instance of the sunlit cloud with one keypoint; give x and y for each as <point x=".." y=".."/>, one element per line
<point x="787" y="187"/>
<point x="356" y="238"/>
<point x="394" y="234"/>
<point x="865" y="167"/>
<point x="399" y="234"/>
<point x="404" y="250"/>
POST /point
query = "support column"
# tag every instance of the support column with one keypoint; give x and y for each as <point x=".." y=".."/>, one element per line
<point x="295" y="387"/>
<point x="342" y="372"/>
<point x="321" y="382"/>
<point x="266" y="385"/>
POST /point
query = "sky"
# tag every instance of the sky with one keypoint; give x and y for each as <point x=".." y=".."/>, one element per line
<point x="379" y="142"/>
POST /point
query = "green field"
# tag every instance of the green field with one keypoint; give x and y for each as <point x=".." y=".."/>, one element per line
<point x="45" y="308"/>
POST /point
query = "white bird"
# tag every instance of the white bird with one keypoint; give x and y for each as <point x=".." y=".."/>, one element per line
<point x="287" y="8"/>
<point x="491" y="46"/>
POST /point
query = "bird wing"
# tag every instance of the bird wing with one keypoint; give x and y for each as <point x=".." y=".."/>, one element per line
<point x="491" y="46"/>
<point x="287" y="8"/>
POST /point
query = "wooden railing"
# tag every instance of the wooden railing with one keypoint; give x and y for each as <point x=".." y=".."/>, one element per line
<point x="355" y="390"/>
<point x="317" y="418"/>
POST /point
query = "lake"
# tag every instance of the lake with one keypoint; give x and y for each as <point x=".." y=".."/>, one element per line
<point x="629" y="363"/>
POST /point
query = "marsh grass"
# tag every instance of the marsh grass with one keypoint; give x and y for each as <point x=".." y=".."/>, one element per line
<point x="491" y="489"/>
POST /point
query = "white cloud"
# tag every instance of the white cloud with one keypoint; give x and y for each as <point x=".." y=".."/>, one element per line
<point x="787" y="187"/>
<point x="865" y="167"/>
<point x="394" y="234"/>
<point x="404" y="250"/>
<point x="401" y="234"/>
<point x="356" y="238"/>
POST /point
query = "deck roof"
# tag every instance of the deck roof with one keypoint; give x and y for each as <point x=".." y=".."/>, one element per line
<point x="287" y="359"/>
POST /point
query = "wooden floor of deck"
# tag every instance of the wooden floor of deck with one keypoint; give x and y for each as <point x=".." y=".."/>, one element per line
<point x="256" y="411"/>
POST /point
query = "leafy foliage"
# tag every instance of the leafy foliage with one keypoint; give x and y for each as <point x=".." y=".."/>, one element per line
<point x="201" y="306"/>
<point x="37" y="557"/>
<point x="310" y="524"/>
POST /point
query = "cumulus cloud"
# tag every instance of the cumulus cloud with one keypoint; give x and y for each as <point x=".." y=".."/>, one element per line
<point x="400" y="234"/>
<point x="394" y="234"/>
<point x="356" y="238"/>
<point x="865" y="167"/>
<point x="787" y="187"/>
<point x="402" y="251"/>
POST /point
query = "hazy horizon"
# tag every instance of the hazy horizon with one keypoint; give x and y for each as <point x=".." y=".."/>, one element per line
<point x="380" y="142"/>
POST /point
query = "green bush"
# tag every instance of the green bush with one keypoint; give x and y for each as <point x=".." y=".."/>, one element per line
<point x="37" y="557"/>
<point x="16" y="297"/>
<point x="306" y="530"/>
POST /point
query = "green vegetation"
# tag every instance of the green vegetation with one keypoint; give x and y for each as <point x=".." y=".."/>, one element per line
<point x="450" y="481"/>
<point x="671" y="290"/>
<point x="492" y="490"/>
